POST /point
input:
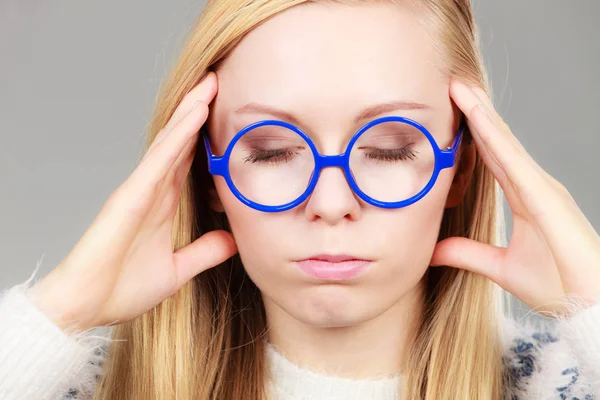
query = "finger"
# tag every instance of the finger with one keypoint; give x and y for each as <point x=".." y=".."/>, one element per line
<point x="495" y="168"/>
<point x="503" y="129"/>
<point x="529" y="184"/>
<point x="471" y="255"/>
<point x="209" y="250"/>
<point x="153" y="170"/>
<point x="560" y="188"/>
<point x="203" y="92"/>
<point x="491" y="111"/>
<point x="488" y="157"/>
<point x="182" y="170"/>
<point x="187" y="152"/>
<point x="176" y="176"/>
<point x="519" y="168"/>
<point x="487" y="128"/>
<point x="489" y="106"/>
<point x="538" y="191"/>
<point x="132" y="200"/>
<point x="485" y="98"/>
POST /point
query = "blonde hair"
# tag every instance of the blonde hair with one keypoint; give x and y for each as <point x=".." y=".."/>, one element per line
<point x="205" y="341"/>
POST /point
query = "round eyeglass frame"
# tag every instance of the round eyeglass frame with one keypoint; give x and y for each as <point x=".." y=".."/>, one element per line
<point x="219" y="165"/>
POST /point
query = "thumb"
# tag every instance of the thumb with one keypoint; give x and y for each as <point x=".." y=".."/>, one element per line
<point x="471" y="255"/>
<point x="208" y="251"/>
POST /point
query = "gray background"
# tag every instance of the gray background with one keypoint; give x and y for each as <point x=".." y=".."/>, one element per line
<point x="78" y="81"/>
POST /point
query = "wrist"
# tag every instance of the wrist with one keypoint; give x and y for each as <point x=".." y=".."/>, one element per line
<point x="56" y="305"/>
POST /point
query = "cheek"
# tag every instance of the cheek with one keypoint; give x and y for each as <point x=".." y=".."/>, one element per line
<point x="408" y="239"/>
<point x="255" y="232"/>
<point x="415" y="229"/>
<point x="242" y="219"/>
<point x="261" y="243"/>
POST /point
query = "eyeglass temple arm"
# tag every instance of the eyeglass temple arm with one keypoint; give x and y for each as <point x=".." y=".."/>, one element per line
<point x="215" y="166"/>
<point x="448" y="156"/>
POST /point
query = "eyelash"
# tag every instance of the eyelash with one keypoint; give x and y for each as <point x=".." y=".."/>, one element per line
<point x="403" y="154"/>
<point x="270" y="156"/>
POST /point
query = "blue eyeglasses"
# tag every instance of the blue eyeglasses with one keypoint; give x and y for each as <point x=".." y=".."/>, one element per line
<point x="391" y="162"/>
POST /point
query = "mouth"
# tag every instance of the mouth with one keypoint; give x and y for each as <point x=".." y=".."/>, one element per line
<point x="334" y="267"/>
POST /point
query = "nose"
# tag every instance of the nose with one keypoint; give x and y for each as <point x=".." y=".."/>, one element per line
<point x="332" y="199"/>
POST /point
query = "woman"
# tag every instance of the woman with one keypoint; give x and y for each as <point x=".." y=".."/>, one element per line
<point x="318" y="208"/>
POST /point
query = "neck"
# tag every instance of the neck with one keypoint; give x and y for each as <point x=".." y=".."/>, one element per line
<point x="372" y="348"/>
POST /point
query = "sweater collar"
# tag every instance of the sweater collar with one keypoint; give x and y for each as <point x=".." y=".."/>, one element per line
<point x="291" y="381"/>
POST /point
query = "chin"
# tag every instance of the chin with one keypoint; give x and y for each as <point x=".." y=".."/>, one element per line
<point x="332" y="306"/>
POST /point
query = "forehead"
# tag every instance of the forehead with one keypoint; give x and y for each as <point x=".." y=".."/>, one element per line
<point x="324" y="60"/>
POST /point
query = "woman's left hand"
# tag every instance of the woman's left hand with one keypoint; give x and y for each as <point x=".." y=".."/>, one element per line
<point x="554" y="253"/>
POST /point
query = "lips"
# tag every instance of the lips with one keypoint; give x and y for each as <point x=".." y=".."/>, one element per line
<point x="334" y="267"/>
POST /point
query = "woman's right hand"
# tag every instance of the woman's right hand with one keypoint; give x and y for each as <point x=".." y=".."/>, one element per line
<point x="124" y="264"/>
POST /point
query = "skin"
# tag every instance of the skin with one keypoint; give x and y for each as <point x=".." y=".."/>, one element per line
<point x="352" y="57"/>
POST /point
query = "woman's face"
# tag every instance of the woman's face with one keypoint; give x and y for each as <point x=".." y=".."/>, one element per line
<point x="325" y="64"/>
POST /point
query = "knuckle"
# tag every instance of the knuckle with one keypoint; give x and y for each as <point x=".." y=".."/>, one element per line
<point x="159" y="136"/>
<point x="562" y="189"/>
<point x="212" y="250"/>
<point x="116" y="197"/>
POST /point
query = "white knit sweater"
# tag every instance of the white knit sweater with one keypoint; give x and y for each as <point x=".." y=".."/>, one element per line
<point x="39" y="361"/>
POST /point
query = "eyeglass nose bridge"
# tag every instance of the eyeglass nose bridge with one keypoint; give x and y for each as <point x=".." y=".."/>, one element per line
<point x="334" y="160"/>
<point x="323" y="161"/>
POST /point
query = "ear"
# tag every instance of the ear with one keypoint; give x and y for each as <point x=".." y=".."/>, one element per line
<point x="215" y="201"/>
<point x="463" y="175"/>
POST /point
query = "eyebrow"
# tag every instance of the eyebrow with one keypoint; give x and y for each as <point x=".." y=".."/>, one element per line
<point x="369" y="112"/>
